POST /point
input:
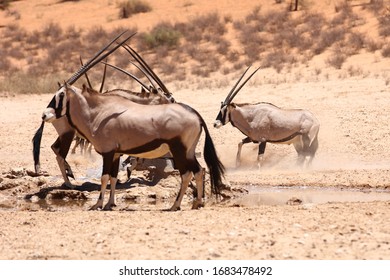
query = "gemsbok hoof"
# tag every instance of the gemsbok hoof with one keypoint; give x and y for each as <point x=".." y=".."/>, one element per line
<point x="197" y="205"/>
<point x="109" y="207"/>
<point x="174" y="208"/>
<point x="95" y="208"/>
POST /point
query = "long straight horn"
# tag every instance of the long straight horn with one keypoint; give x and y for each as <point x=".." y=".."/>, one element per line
<point x="140" y="60"/>
<point x="235" y="93"/>
<point x="104" y="77"/>
<point x="96" y="59"/>
<point x="85" y="74"/>
<point x="228" y="99"/>
<point x="127" y="73"/>
<point x="141" y="68"/>
<point x="147" y="75"/>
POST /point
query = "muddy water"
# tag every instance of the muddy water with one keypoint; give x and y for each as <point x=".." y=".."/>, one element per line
<point x="256" y="196"/>
<point x="308" y="195"/>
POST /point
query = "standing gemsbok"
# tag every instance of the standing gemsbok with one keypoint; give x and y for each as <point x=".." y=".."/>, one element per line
<point x="265" y="122"/>
<point x="115" y="126"/>
<point x="66" y="133"/>
<point x="148" y="95"/>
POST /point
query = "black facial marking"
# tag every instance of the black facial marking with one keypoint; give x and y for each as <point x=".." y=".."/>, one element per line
<point x="52" y="103"/>
<point x="58" y="110"/>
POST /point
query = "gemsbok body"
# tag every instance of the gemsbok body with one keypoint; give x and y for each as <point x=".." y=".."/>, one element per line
<point x="265" y="122"/>
<point x="115" y="126"/>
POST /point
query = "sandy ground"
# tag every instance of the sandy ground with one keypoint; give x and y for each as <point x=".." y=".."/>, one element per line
<point x="353" y="158"/>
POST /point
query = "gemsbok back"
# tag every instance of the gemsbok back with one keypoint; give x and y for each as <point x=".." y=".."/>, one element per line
<point x="265" y="122"/>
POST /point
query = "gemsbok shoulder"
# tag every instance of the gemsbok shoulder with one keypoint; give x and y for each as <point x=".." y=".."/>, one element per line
<point x="264" y="122"/>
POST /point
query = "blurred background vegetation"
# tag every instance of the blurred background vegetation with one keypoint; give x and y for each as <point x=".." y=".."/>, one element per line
<point x="199" y="47"/>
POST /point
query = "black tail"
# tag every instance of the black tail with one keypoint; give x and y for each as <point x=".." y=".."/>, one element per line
<point x="37" y="147"/>
<point x="216" y="168"/>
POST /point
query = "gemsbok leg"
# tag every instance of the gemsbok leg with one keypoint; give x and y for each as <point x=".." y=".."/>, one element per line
<point x="238" y="157"/>
<point x="61" y="147"/>
<point x="109" y="173"/>
<point x="260" y="155"/>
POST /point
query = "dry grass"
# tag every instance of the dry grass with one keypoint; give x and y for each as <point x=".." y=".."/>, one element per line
<point x="272" y="39"/>
<point x="130" y="7"/>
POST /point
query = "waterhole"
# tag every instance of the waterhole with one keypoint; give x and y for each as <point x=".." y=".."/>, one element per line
<point x="308" y="195"/>
<point x="256" y="196"/>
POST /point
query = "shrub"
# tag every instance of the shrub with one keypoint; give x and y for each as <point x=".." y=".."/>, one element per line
<point x="4" y="4"/>
<point x="52" y="31"/>
<point x="386" y="51"/>
<point x="337" y="59"/>
<point x="162" y="35"/>
<point x="131" y="7"/>
<point x="203" y="27"/>
<point x="384" y="26"/>
<point x="373" y="45"/>
<point x="355" y="42"/>
<point x="5" y="63"/>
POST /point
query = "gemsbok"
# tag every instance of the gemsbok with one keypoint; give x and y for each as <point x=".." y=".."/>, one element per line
<point x="116" y="125"/>
<point x="264" y="122"/>
<point x="148" y="95"/>
<point x="66" y="133"/>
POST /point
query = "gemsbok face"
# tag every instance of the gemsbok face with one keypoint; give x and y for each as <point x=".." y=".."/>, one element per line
<point x="57" y="106"/>
<point x="223" y="116"/>
<point x="265" y="122"/>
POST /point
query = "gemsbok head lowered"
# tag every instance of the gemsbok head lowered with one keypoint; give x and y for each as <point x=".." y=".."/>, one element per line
<point x="264" y="122"/>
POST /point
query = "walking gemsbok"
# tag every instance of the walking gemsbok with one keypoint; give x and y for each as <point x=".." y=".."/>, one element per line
<point x="265" y="122"/>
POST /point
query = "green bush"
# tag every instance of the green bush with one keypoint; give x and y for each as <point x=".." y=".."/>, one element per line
<point x="162" y="35"/>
